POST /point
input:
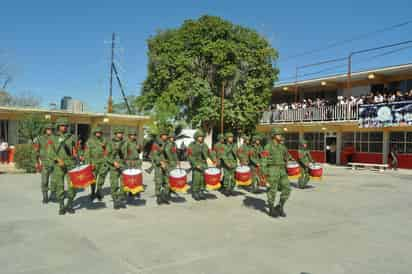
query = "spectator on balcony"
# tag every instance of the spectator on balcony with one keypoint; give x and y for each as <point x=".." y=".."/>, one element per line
<point x="409" y="96"/>
<point x="399" y="96"/>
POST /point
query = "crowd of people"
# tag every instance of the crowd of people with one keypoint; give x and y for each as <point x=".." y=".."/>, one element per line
<point x="371" y="98"/>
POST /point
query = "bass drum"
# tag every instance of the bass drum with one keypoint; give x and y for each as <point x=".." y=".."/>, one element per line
<point x="212" y="177"/>
<point x="132" y="180"/>
<point x="293" y="169"/>
<point x="178" y="180"/>
<point x="81" y="177"/>
<point x="315" y="171"/>
<point x="243" y="176"/>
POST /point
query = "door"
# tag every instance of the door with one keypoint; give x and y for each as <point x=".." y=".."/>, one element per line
<point x="330" y="150"/>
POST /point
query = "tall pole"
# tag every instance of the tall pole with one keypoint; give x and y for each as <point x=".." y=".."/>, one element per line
<point x="349" y="83"/>
<point x="222" y="99"/>
<point x="110" y="102"/>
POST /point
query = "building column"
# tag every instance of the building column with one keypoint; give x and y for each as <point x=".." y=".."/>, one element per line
<point x="140" y="134"/>
<point x="301" y="135"/>
<point x="385" y="145"/>
<point x="338" y="147"/>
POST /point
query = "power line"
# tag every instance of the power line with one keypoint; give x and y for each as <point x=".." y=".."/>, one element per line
<point x="349" y="40"/>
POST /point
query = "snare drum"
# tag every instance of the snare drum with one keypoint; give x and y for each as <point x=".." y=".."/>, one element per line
<point x="243" y="176"/>
<point x="212" y="177"/>
<point x="315" y="171"/>
<point x="178" y="180"/>
<point x="293" y="169"/>
<point x="132" y="180"/>
<point x="81" y="177"/>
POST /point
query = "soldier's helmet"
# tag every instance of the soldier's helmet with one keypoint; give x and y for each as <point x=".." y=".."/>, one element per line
<point x="257" y="137"/>
<point x="172" y="134"/>
<point x="220" y="137"/>
<point x="276" y="131"/>
<point x="199" y="133"/>
<point x="132" y="131"/>
<point x="118" y="130"/>
<point x="229" y="134"/>
<point x="163" y="131"/>
<point x="303" y="142"/>
<point x="245" y="137"/>
<point x="62" y="122"/>
<point x="48" y="126"/>
<point x="97" y="129"/>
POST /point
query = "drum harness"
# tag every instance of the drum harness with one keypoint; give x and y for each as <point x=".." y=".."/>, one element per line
<point x="63" y="145"/>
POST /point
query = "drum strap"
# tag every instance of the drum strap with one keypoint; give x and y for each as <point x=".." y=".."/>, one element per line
<point x="63" y="145"/>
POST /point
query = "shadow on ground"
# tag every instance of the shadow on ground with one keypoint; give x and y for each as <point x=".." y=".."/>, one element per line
<point x="255" y="203"/>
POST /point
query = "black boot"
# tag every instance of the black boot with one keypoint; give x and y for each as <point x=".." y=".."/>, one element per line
<point x="53" y="197"/>
<point x="280" y="210"/>
<point x="93" y="193"/>
<point x="99" y="195"/>
<point x="165" y="198"/>
<point x="202" y="195"/>
<point x="45" y="198"/>
<point x="116" y="204"/>
<point x="273" y="212"/>
<point x="159" y="200"/>
<point x="69" y="207"/>
<point x="196" y="196"/>
<point x="62" y="210"/>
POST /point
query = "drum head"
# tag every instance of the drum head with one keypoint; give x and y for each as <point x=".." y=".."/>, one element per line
<point x="292" y="164"/>
<point x="79" y="168"/>
<point x="178" y="172"/>
<point x="132" y="171"/>
<point x="243" y="169"/>
<point x="315" y="166"/>
<point x="212" y="171"/>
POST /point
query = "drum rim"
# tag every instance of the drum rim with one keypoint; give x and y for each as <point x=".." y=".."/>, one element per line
<point x="78" y="168"/>
<point x="124" y="171"/>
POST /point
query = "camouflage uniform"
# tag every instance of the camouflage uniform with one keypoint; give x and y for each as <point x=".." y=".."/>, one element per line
<point x="198" y="152"/>
<point x="171" y="153"/>
<point x="95" y="154"/>
<point x="62" y="153"/>
<point x="274" y="159"/>
<point x="304" y="159"/>
<point x="133" y="150"/>
<point x="219" y="150"/>
<point x="158" y="155"/>
<point x="229" y="160"/>
<point x="255" y="161"/>
<point x="42" y="146"/>
<point x="243" y="153"/>
<point x="116" y="156"/>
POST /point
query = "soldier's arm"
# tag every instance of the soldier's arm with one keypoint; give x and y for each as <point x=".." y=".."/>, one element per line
<point x="190" y="157"/>
<point x="168" y="151"/>
<point x="109" y="158"/>
<point x="155" y="154"/>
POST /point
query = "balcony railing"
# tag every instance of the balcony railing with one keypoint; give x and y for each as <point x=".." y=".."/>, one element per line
<point x="312" y="114"/>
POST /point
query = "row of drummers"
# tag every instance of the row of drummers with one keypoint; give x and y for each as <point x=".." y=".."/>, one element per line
<point x="207" y="166"/>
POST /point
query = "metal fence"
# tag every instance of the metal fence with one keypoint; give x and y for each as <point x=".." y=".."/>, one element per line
<point x="312" y="114"/>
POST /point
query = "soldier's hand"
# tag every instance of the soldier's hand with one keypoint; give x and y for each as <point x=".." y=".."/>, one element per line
<point x="60" y="162"/>
<point x="116" y="164"/>
<point x="93" y="167"/>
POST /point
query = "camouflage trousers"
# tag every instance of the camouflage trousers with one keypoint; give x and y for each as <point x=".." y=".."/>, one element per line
<point x="278" y="180"/>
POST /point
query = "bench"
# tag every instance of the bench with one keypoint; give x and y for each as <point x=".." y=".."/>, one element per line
<point x="381" y="167"/>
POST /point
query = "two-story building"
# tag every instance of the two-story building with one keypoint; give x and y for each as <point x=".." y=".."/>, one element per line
<point x="337" y="130"/>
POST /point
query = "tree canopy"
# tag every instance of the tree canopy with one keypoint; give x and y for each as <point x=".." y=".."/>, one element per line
<point x="189" y="65"/>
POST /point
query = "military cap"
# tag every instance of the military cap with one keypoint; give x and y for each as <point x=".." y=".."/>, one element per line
<point x="229" y="134"/>
<point x="220" y="137"/>
<point x="172" y="133"/>
<point x="97" y="129"/>
<point x="199" y="133"/>
<point x="132" y="131"/>
<point x="303" y="142"/>
<point x="257" y="137"/>
<point x="48" y="126"/>
<point x="118" y="130"/>
<point x="245" y="137"/>
<point x="276" y="131"/>
<point x="62" y="122"/>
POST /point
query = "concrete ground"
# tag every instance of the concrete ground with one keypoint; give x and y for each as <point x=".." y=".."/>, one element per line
<point x="352" y="222"/>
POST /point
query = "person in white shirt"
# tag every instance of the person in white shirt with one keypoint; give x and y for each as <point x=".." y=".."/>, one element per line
<point x="4" y="147"/>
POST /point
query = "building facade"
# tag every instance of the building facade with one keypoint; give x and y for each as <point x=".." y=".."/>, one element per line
<point x="347" y="127"/>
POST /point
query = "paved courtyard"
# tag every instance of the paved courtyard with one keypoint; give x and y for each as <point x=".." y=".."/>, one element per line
<point x="352" y="222"/>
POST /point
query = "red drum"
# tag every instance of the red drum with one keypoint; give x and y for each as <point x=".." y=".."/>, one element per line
<point x="315" y="171"/>
<point x="293" y="169"/>
<point x="82" y="176"/>
<point x="132" y="180"/>
<point x="178" y="180"/>
<point x="243" y="176"/>
<point x="212" y="177"/>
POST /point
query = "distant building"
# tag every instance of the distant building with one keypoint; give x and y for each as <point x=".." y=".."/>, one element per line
<point x="73" y="105"/>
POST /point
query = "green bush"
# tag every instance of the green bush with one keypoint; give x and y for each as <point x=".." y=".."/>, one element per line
<point x="25" y="158"/>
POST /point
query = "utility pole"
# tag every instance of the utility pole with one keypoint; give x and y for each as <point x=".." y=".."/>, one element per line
<point x="222" y="99"/>
<point x="110" y="101"/>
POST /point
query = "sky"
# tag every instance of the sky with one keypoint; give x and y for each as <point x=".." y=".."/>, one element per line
<point x="62" y="48"/>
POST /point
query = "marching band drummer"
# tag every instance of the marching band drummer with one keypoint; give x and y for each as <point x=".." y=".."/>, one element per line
<point x="133" y="150"/>
<point x="255" y="161"/>
<point x="304" y="160"/>
<point x="229" y="161"/>
<point x="162" y="188"/>
<point x="95" y="155"/>
<point x="63" y="156"/>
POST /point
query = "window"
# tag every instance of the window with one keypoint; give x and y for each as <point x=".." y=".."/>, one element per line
<point x="402" y="141"/>
<point x="292" y="140"/>
<point x="316" y="140"/>
<point x="371" y="142"/>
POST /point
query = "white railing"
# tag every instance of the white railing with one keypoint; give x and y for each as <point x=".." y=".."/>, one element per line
<point x="312" y="114"/>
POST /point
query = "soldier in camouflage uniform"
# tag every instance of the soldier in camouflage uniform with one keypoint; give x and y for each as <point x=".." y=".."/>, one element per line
<point x="243" y="152"/>
<point x="229" y="160"/>
<point x="274" y="160"/>
<point x="219" y="149"/>
<point x="304" y="160"/>
<point x="133" y="150"/>
<point x="171" y="152"/>
<point x="198" y="153"/>
<point x="95" y="154"/>
<point x="116" y="161"/>
<point x="255" y="161"/>
<point x="62" y="153"/>
<point x="42" y="146"/>
<point x="162" y="188"/>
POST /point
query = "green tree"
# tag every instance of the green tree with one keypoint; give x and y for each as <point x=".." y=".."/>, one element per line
<point x="189" y="65"/>
<point x="31" y="127"/>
